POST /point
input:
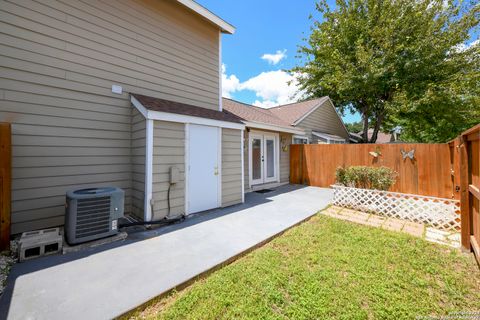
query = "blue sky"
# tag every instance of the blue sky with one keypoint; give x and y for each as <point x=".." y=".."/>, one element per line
<point x="269" y="29"/>
<point x="263" y="27"/>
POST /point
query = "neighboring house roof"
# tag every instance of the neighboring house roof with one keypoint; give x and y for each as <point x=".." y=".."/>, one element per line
<point x="285" y="116"/>
<point x="293" y="113"/>
<point x="224" y="26"/>
<point x="381" y="137"/>
<point x="355" y="137"/>
<point x="156" y="104"/>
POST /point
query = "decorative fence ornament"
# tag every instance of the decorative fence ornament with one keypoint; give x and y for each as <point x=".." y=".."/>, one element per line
<point x="438" y="213"/>
<point x="410" y="154"/>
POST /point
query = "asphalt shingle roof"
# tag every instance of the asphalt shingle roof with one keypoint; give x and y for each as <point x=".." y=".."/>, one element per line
<point x="162" y="105"/>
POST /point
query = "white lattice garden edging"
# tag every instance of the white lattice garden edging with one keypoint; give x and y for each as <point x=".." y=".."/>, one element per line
<point x="439" y="213"/>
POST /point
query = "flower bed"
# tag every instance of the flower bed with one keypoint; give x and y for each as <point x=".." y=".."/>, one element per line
<point x="439" y="213"/>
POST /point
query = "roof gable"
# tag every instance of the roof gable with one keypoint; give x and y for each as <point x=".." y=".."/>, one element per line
<point x="294" y="112"/>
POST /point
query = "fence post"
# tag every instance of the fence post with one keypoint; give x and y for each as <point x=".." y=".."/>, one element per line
<point x="464" y="195"/>
<point x="5" y="184"/>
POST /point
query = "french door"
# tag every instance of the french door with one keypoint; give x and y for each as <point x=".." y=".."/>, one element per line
<point x="263" y="155"/>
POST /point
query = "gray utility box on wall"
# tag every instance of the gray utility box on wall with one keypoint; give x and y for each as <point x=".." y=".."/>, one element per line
<point x="93" y="213"/>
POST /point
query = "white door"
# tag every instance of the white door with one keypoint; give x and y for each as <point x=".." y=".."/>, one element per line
<point x="263" y="157"/>
<point x="203" y="168"/>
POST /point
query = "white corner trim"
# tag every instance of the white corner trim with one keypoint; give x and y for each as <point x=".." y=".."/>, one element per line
<point x="220" y="102"/>
<point x="204" y="12"/>
<point x="271" y="127"/>
<point x="148" y="170"/>
<point x="187" y="166"/>
<point x="242" y="156"/>
<point x="219" y="167"/>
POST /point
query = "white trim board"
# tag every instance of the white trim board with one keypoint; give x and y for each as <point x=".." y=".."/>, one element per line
<point x="187" y="167"/>
<point x="242" y="156"/>
<point x="147" y="211"/>
<point x="271" y="127"/>
<point x="174" y="117"/>
<point x="208" y="15"/>
<point x="219" y="168"/>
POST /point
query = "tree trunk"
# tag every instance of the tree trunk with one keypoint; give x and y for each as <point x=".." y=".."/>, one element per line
<point x="365" y="127"/>
<point x="378" y="123"/>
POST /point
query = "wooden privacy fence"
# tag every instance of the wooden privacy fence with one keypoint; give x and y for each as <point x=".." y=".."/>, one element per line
<point x="5" y="184"/>
<point x="468" y="145"/>
<point x="429" y="173"/>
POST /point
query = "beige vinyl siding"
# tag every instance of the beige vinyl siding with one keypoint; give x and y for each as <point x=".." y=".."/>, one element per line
<point x="324" y="119"/>
<point x="138" y="162"/>
<point x="231" y="167"/>
<point x="285" y="142"/>
<point x="58" y="61"/>
<point x="168" y="151"/>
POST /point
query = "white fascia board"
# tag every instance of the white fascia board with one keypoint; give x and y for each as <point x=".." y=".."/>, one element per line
<point x="174" y="117"/>
<point x="271" y="127"/>
<point x="204" y="12"/>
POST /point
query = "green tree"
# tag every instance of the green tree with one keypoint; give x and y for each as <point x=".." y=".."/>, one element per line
<point x="354" y="127"/>
<point x="397" y="62"/>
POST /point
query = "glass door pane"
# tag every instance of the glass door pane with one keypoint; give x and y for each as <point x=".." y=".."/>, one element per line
<point x="270" y="163"/>
<point x="256" y="159"/>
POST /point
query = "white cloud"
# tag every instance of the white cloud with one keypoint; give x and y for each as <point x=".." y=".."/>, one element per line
<point x="272" y="88"/>
<point x="274" y="58"/>
<point x="230" y="83"/>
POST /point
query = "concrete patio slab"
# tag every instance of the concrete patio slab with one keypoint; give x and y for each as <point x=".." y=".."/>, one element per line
<point x="107" y="281"/>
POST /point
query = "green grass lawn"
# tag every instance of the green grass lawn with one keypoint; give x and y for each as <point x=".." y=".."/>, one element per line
<point x="326" y="268"/>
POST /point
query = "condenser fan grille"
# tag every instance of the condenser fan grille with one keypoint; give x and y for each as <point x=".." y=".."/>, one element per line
<point x="93" y="216"/>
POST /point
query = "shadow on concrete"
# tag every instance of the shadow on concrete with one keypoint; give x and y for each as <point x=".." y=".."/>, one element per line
<point x="252" y="199"/>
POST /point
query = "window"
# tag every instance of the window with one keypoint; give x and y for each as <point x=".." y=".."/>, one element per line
<point x="299" y="140"/>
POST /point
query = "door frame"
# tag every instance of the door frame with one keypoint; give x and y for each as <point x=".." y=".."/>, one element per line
<point x="257" y="133"/>
<point x="187" y="161"/>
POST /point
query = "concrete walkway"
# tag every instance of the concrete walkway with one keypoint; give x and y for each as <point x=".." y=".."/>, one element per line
<point x="108" y="281"/>
<point x="419" y="230"/>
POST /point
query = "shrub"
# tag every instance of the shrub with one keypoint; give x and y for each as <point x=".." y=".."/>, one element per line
<point x="381" y="178"/>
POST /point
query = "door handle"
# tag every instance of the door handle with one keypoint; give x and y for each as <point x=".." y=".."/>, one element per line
<point x="215" y="171"/>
